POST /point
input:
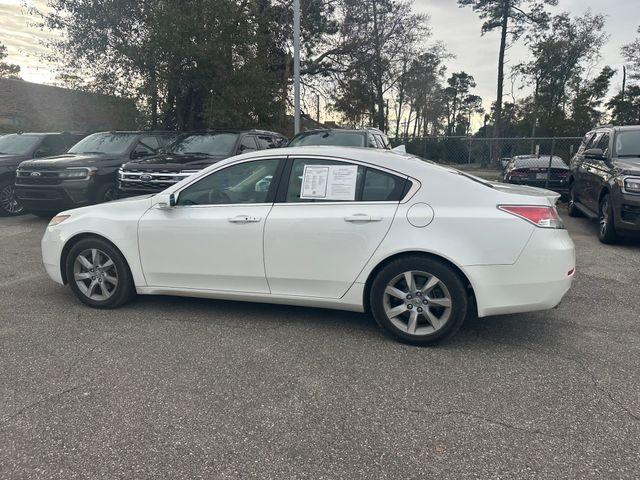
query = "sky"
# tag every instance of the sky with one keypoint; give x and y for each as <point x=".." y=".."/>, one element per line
<point x="458" y="28"/>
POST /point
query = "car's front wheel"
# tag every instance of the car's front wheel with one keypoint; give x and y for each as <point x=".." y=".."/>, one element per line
<point x="9" y="205"/>
<point x="607" y="231"/>
<point x="98" y="274"/>
<point x="418" y="300"/>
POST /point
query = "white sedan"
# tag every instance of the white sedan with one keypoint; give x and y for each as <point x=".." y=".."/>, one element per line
<point x="417" y="245"/>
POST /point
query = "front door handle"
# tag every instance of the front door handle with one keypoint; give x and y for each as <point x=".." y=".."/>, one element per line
<point x="362" y="218"/>
<point x="244" y="219"/>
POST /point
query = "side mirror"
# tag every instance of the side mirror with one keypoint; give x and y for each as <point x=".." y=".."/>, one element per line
<point x="594" y="153"/>
<point x="165" y="201"/>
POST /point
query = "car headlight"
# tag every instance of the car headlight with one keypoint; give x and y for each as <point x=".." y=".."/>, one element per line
<point x="632" y="185"/>
<point x="76" y="172"/>
<point x="58" y="219"/>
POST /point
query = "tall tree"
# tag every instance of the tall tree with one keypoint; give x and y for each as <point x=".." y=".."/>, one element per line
<point x="511" y="18"/>
<point x="7" y="70"/>
<point x="631" y="53"/>
<point x="459" y="86"/>
<point x="372" y="33"/>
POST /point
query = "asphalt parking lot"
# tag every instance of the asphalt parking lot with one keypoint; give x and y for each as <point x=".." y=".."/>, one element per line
<point x="188" y="388"/>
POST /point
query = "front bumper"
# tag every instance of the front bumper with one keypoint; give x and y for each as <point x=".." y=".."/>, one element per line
<point x="55" y="198"/>
<point x="52" y="244"/>
<point x="538" y="280"/>
<point x="627" y="211"/>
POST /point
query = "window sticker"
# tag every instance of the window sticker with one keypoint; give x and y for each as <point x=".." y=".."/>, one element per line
<point x="329" y="182"/>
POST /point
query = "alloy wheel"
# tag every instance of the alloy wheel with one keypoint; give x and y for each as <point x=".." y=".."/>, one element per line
<point x="604" y="216"/>
<point x="95" y="274"/>
<point x="8" y="201"/>
<point x="417" y="303"/>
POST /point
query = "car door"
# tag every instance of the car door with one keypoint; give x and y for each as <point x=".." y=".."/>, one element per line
<point x="594" y="170"/>
<point x="212" y="238"/>
<point x="317" y="247"/>
<point x="581" y="173"/>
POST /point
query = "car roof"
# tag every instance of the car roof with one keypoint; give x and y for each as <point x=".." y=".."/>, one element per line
<point x="400" y="162"/>
<point x="340" y="130"/>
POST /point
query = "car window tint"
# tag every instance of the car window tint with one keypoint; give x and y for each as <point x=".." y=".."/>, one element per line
<point x="297" y="170"/>
<point x="248" y="144"/>
<point x="151" y="142"/>
<point x="52" y="145"/>
<point x="247" y="182"/>
<point x="603" y="143"/>
<point x="594" y="141"/>
<point x="266" y="141"/>
<point x="381" y="186"/>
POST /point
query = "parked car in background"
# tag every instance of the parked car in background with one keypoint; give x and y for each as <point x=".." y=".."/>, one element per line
<point x="190" y="153"/>
<point x="605" y="181"/>
<point x="535" y="172"/>
<point x="367" y="137"/>
<point x="504" y="162"/>
<point x="413" y="243"/>
<point x="87" y="174"/>
<point x="17" y="147"/>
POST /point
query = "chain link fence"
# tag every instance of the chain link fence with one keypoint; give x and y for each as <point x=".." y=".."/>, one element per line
<point x="487" y="151"/>
<point x="540" y="162"/>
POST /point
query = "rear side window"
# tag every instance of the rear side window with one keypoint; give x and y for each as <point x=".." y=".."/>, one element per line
<point x="381" y="186"/>
<point x="371" y="185"/>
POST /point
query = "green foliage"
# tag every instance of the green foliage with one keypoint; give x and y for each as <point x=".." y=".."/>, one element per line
<point x="7" y="70"/>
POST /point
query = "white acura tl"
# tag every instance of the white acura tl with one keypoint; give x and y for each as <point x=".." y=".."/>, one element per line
<point x="417" y="245"/>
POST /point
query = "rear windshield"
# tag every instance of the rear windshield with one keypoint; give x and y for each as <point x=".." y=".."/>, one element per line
<point x="336" y="139"/>
<point x="210" y="144"/>
<point x="105" y="143"/>
<point x="17" y="144"/>
<point x="628" y="144"/>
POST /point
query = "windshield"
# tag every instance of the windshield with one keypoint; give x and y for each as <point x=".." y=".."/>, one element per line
<point x="17" y="144"/>
<point x="106" y="143"/>
<point x="212" y="144"/>
<point x="336" y="139"/>
<point x="627" y="144"/>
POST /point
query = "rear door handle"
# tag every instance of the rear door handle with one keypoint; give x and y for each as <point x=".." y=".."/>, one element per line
<point x="244" y="219"/>
<point x="362" y="218"/>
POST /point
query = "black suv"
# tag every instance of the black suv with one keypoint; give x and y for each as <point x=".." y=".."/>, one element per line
<point x="366" y="137"/>
<point x="190" y="153"/>
<point x="86" y="174"/>
<point x="17" y="147"/>
<point x="605" y="180"/>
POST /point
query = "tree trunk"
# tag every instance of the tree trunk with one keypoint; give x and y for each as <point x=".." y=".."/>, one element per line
<point x="497" y="127"/>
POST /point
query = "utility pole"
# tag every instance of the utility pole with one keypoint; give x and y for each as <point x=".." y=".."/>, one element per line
<point x="318" y="108"/>
<point x="296" y="66"/>
<point x="624" y="81"/>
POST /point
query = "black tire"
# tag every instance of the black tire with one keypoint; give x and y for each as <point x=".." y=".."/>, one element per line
<point x="121" y="293"/>
<point x="107" y="192"/>
<point x="571" y="207"/>
<point x="9" y="205"/>
<point x="426" y="332"/>
<point x="607" y="228"/>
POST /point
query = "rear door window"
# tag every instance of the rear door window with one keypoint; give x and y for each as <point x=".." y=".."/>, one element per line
<point x="381" y="186"/>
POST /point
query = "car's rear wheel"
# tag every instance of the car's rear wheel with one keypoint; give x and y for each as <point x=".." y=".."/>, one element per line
<point x="98" y="274"/>
<point x="418" y="300"/>
<point x="607" y="229"/>
<point x="573" y="210"/>
<point x="9" y="205"/>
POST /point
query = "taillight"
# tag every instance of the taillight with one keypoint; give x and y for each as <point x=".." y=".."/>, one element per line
<point x="540" y="216"/>
<point x="519" y="173"/>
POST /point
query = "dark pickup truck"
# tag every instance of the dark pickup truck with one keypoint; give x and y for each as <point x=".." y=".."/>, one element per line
<point x="190" y="153"/>
<point x="18" y="147"/>
<point x="86" y="174"/>
<point x="605" y="181"/>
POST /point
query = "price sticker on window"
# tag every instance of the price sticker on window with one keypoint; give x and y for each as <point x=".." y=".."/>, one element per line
<point x="329" y="182"/>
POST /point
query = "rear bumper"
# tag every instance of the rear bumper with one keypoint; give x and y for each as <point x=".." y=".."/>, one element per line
<point x="538" y="280"/>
